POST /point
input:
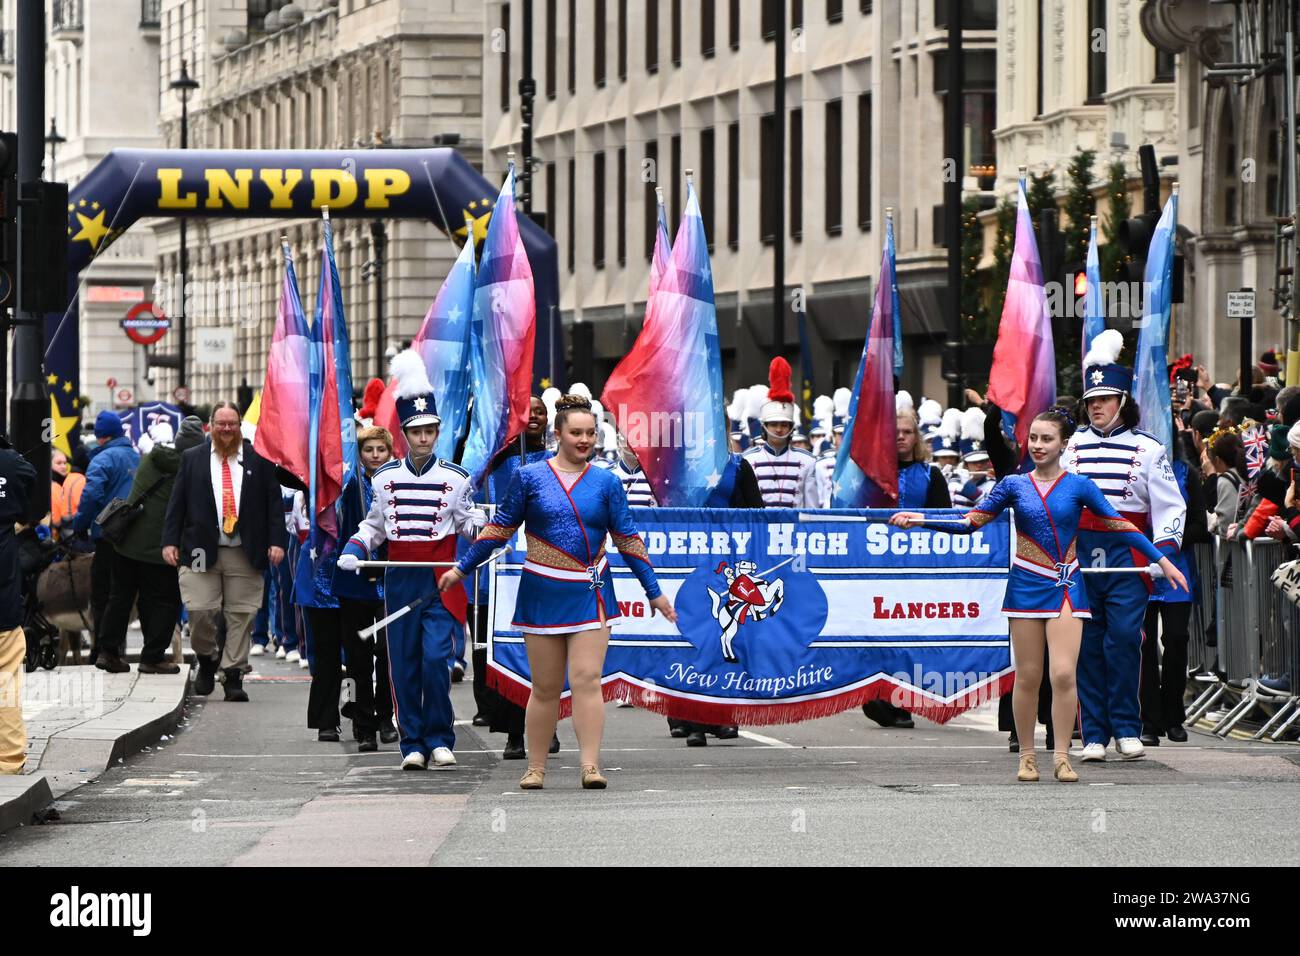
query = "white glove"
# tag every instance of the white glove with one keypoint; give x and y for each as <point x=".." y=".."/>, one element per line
<point x="349" y="562"/>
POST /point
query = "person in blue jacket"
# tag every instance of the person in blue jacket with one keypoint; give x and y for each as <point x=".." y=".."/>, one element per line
<point x="109" y="475"/>
<point x="1045" y="595"/>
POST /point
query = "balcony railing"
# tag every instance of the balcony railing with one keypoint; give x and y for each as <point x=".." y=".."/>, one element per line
<point x="151" y="13"/>
<point x="65" y="16"/>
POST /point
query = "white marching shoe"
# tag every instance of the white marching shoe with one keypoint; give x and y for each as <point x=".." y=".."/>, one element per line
<point x="413" y="761"/>
<point x="280" y="654"/>
<point x="443" y="757"/>
<point x="1130" y="748"/>
<point x="1093" y="752"/>
<point x="257" y="650"/>
<point x="292" y="657"/>
<point x="303" y="663"/>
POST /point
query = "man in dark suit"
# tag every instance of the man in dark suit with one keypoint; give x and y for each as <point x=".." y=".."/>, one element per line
<point x="224" y="524"/>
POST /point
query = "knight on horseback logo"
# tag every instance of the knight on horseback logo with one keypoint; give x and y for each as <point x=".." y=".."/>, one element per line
<point x="747" y="597"/>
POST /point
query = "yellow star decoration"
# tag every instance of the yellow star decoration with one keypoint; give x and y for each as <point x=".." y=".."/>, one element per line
<point x="92" y="230"/>
<point x="480" y="221"/>
<point x="67" y="387"/>
<point x="546" y="383"/>
<point x="62" y="425"/>
<point x="51" y="379"/>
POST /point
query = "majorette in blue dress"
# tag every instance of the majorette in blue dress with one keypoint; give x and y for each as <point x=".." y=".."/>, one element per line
<point x="1045" y="569"/>
<point x="566" y="585"/>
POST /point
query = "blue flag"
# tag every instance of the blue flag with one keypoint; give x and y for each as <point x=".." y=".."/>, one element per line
<point x="892" y="252"/>
<point x="443" y="343"/>
<point x="1094" y="315"/>
<point x="1151" y="370"/>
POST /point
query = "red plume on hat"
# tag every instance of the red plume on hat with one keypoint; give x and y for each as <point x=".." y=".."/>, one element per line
<point x="778" y="381"/>
<point x="370" y="398"/>
<point x="1177" y="366"/>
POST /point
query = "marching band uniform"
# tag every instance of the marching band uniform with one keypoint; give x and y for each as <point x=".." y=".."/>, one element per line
<point x="971" y="483"/>
<point x="635" y="485"/>
<point x="1134" y="473"/>
<point x="564" y="588"/>
<point x="824" y="476"/>
<point x="418" y="510"/>
<point x="786" y="475"/>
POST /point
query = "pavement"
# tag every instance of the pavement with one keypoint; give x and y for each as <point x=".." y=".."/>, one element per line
<point x="249" y="785"/>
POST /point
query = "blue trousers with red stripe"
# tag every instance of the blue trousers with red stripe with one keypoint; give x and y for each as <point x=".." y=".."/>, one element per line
<point x="1110" y="657"/>
<point x="419" y="645"/>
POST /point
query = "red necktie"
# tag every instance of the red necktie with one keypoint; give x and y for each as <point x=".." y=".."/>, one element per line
<point x="228" y="510"/>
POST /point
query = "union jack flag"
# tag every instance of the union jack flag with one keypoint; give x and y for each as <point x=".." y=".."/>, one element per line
<point x="1255" y="440"/>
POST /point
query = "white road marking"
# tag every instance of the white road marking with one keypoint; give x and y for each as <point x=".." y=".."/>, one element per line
<point x="766" y="741"/>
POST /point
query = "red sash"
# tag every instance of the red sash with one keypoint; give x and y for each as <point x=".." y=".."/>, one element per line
<point x="444" y="549"/>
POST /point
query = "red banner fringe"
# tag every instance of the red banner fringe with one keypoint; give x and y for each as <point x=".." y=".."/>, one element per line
<point x="760" y="714"/>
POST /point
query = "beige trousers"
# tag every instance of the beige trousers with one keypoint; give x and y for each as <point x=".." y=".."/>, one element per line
<point x="13" y="732"/>
<point x="231" y="587"/>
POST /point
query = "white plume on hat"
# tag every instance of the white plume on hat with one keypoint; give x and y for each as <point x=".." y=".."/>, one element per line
<point x="608" y="436"/>
<point x="757" y="395"/>
<point x="549" y="398"/>
<point x="950" y="427"/>
<point x="736" y="410"/>
<point x="598" y="410"/>
<point x="903" y="402"/>
<point x="407" y="367"/>
<point x="930" y="412"/>
<point x="972" y="424"/>
<point x="842" y="398"/>
<point x="578" y="388"/>
<point x="1105" y="349"/>
<point x="824" y="409"/>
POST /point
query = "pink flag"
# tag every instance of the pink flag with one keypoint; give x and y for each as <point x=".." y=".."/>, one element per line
<point x="283" y="431"/>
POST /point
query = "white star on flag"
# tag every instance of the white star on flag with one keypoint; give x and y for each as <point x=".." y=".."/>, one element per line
<point x="714" y="478"/>
<point x="312" y="554"/>
<point x="454" y="315"/>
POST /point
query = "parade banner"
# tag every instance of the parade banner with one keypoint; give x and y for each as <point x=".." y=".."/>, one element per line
<point x="786" y="616"/>
<point x="138" y="420"/>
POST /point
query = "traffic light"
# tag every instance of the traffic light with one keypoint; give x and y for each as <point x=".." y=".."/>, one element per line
<point x="1135" y="239"/>
<point x="8" y="217"/>
<point x="45" y="247"/>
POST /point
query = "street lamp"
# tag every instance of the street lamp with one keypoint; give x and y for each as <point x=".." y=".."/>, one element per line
<point x="53" y="139"/>
<point x="184" y="85"/>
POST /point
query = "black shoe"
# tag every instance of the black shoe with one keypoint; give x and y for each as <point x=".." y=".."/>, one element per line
<point x="514" y="748"/>
<point x="696" y="738"/>
<point x="387" y="732"/>
<point x="235" y="692"/>
<point x="677" y="729"/>
<point x="555" y="744"/>
<point x="726" y="733"/>
<point x="880" y="712"/>
<point x="329" y="735"/>
<point x="1177" y="734"/>
<point x="457" y="674"/>
<point x="367" y="744"/>
<point x="206" y="679"/>
<point x="108" y="661"/>
<point x="1149" y="737"/>
<point x="902" y="719"/>
<point x="357" y="733"/>
<point x="161" y="667"/>
<point x="480" y="721"/>
<point x="1013" y="743"/>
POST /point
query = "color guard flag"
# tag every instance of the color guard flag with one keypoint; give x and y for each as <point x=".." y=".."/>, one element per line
<point x="1094" y="315"/>
<point x="283" y="433"/>
<point x="1151" y="367"/>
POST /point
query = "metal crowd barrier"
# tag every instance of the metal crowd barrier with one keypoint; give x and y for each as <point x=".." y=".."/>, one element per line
<point x="1257" y="632"/>
<point x="1201" y="651"/>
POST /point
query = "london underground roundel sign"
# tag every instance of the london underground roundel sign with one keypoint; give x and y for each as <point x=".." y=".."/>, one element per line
<point x="144" y="325"/>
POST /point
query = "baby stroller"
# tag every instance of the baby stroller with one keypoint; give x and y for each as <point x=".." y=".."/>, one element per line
<point x="56" y="592"/>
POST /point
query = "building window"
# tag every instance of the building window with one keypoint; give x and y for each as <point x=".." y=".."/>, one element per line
<point x="572" y="214"/>
<point x="504" y="57"/>
<point x="834" y="166"/>
<point x="676" y="30"/>
<point x="620" y="210"/>
<point x="864" y="6"/>
<point x="651" y="200"/>
<point x="770" y="191"/>
<point x="733" y="186"/>
<point x="573" y="46"/>
<point x="552" y="15"/>
<point x="707" y="33"/>
<point x="622" y="40"/>
<point x="771" y="13"/>
<point x="976" y="14"/>
<point x="796" y="174"/>
<point x="652" y="36"/>
<point x="1096" y="50"/>
<point x="796" y="14"/>
<point x="599" y="56"/>
<point x="733" y="25"/>
<point x="864" y="162"/>
<point x="552" y="212"/>
<point x="834" y="11"/>
<point x="707" y="179"/>
<point x="1164" y="66"/>
<point x="598" y="211"/>
<point x="675" y="161"/>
